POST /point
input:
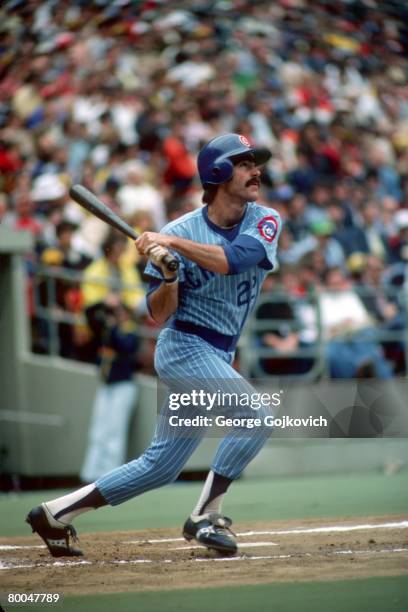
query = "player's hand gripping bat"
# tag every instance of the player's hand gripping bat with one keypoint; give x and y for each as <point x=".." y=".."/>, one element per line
<point x="88" y="200"/>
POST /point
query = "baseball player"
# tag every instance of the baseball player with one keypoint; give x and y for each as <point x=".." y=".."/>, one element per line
<point x="225" y="250"/>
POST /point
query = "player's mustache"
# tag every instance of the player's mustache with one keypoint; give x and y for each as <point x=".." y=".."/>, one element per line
<point x="253" y="181"/>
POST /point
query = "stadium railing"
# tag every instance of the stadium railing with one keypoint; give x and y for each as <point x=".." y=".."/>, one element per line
<point x="45" y="306"/>
<point x="253" y="354"/>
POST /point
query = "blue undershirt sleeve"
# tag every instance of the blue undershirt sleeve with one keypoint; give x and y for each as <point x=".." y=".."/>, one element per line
<point x="246" y="252"/>
<point x="153" y="284"/>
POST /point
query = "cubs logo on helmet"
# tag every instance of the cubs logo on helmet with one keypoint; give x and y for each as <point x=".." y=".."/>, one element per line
<point x="244" y="141"/>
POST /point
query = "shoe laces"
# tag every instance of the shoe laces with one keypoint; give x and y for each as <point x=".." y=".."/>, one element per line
<point x="218" y="520"/>
<point x="71" y="531"/>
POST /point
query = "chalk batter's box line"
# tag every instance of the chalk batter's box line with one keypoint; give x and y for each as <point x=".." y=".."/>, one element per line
<point x="55" y="564"/>
<point x="297" y="531"/>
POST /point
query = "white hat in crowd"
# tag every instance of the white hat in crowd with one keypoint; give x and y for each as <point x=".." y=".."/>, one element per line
<point x="48" y="187"/>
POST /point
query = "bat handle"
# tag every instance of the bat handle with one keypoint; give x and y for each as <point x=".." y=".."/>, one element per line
<point x="171" y="263"/>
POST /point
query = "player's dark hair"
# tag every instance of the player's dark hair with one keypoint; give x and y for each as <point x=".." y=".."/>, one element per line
<point x="209" y="194"/>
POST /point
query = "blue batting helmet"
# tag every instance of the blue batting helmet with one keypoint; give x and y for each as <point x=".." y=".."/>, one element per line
<point x="215" y="160"/>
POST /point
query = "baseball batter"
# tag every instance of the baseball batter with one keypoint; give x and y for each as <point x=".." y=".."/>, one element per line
<point x="225" y="251"/>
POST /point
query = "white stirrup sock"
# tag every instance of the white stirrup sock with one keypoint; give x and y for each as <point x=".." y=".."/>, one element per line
<point x="205" y="503"/>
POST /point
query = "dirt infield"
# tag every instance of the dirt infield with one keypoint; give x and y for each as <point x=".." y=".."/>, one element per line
<point x="161" y="560"/>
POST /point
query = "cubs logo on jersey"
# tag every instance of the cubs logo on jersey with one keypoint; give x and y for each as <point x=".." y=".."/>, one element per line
<point x="268" y="227"/>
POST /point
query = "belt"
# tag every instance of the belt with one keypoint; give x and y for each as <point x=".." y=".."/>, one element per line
<point x="213" y="337"/>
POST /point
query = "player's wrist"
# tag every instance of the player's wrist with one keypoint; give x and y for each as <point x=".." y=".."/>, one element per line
<point x="168" y="275"/>
<point x="170" y="279"/>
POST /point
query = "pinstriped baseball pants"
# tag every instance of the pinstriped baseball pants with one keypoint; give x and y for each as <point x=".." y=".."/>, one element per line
<point x="180" y="356"/>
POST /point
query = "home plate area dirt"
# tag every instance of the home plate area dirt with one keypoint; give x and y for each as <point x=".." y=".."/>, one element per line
<point x="159" y="559"/>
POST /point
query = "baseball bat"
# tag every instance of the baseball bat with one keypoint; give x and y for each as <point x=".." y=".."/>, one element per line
<point x="94" y="205"/>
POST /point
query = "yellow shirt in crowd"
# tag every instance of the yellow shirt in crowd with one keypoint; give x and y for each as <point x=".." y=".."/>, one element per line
<point x="99" y="280"/>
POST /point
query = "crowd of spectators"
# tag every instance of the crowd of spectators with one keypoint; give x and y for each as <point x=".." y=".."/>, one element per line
<point x="120" y="96"/>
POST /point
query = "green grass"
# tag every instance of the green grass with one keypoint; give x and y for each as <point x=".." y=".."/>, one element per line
<point x="248" y="500"/>
<point x="386" y="594"/>
<point x="261" y="499"/>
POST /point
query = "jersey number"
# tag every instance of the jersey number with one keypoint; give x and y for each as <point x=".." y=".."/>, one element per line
<point x="246" y="291"/>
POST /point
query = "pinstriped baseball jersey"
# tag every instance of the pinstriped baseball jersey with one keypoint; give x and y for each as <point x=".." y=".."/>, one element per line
<point x="215" y="301"/>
